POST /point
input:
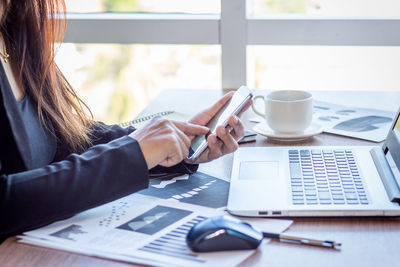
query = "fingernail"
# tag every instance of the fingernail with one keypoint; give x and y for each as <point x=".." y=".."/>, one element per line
<point x="236" y="120"/>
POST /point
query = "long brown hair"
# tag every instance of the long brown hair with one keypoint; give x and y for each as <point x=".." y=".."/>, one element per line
<point x="32" y="29"/>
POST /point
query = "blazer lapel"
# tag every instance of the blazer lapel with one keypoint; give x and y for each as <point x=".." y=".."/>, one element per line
<point x="15" y="119"/>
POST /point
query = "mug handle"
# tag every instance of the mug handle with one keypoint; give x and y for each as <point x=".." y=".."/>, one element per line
<point x="254" y="108"/>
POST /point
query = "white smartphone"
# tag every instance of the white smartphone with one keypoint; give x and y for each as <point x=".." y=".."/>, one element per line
<point x="238" y="101"/>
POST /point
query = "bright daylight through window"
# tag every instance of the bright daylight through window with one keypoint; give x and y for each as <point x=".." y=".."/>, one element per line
<point x="118" y="81"/>
<point x="350" y="45"/>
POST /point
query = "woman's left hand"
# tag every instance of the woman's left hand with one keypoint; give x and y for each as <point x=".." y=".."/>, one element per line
<point x="227" y="141"/>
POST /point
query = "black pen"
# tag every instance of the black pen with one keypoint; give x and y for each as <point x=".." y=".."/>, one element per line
<point x="304" y="241"/>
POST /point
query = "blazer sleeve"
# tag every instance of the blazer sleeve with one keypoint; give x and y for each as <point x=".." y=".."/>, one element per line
<point x="103" y="133"/>
<point x="112" y="168"/>
<point x="37" y="197"/>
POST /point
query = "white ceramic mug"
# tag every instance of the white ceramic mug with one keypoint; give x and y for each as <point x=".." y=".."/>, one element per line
<point x="287" y="111"/>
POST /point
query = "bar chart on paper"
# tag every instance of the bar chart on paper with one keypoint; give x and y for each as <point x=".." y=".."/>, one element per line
<point x="173" y="243"/>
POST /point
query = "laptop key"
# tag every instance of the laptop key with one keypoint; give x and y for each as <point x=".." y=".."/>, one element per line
<point x="323" y="190"/>
<point x="352" y="202"/>
<point x="338" y="201"/>
<point x="297" y="193"/>
<point x="297" y="189"/>
<point x="349" y="190"/>
<point x="325" y="201"/>
<point x="295" y="171"/>
<point x="310" y="192"/>
<point x="333" y="179"/>
<point x="309" y="188"/>
<point x="337" y="197"/>
<point x="351" y="196"/>
<point x="324" y="195"/>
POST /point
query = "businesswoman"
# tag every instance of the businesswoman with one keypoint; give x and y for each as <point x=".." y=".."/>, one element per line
<point x="55" y="160"/>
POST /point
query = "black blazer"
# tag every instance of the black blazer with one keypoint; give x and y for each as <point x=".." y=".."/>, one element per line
<point x="29" y="198"/>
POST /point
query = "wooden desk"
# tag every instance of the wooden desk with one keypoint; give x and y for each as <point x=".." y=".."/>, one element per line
<point x="366" y="241"/>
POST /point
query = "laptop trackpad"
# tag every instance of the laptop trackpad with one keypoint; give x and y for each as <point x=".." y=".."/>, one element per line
<point x="259" y="170"/>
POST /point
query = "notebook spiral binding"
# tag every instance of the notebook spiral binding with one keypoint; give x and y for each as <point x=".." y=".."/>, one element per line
<point x="145" y="118"/>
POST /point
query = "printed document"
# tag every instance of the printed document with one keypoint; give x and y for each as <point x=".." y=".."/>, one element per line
<point x="141" y="229"/>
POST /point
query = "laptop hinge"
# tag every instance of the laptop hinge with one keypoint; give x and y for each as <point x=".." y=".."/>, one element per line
<point x="386" y="174"/>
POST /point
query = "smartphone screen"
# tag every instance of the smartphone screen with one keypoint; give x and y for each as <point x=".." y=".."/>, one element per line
<point x="241" y="97"/>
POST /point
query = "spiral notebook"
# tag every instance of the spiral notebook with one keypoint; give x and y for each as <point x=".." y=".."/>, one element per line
<point x="170" y="115"/>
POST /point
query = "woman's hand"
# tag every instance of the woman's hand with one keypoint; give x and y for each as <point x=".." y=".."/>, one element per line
<point x="227" y="137"/>
<point x="165" y="142"/>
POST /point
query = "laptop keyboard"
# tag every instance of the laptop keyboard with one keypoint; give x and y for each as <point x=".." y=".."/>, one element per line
<point x="329" y="177"/>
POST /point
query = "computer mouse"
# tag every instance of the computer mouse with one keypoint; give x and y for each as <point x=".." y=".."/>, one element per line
<point x="223" y="233"/>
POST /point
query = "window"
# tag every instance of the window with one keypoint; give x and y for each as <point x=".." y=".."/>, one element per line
<point x="323" y="67"/>
<point x="273" y="44"/>
<point x="118" y="81"/>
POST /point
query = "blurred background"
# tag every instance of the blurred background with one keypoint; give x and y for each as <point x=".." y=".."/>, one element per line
<point x="118" y="81"/>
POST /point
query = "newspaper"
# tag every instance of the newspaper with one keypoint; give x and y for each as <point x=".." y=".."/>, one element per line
<point x="141" y="229"/>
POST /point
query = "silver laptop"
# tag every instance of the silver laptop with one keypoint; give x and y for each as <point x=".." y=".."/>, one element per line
<point x="317" y="180"/>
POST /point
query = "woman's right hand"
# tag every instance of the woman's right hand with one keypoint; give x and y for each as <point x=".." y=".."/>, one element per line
<point x="164" y="142"/>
